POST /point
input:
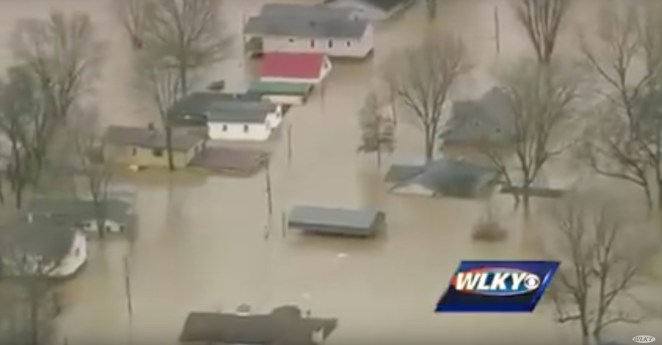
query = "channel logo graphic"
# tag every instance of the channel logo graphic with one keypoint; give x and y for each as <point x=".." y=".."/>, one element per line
<point x="497" y="286"/>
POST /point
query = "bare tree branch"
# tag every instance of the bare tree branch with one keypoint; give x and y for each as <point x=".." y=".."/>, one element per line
<point x="542" y="19"/>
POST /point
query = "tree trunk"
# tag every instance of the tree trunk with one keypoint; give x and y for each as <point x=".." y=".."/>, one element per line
<point x="429" y="146"/>
<point x="183" y="78"/>
<point x="431" y="7"/>
<point x="379" y="157"/>
<point x="168" y="133"/>
<point x="34" y="321"/>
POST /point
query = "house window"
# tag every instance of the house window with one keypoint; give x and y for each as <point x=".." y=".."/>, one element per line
<point x="133" y="151"/>
<point x="245" y="128"/>
<point x="291" y="40"/>
<point x="349" y="43"/>
<point x="330" y="44"/>
<point x="157" y="152"/>
<point x="312" y="43"/>
<point x="225" y="128"/>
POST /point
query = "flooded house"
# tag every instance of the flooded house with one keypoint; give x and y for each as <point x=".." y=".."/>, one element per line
<point x="296" y="68"/>
<point x="283" y="326"/>
<point x="336" y="221"/>
<point x="281" y="93"/>
<point x="147" y="147"/>
<point x="240" y="117"/>
<point x="41" y="248"/>
<point x="444" y="177"/>
<point x="477" y="124"/>
<point x="317" y="29"/>
<point x="119" y="214"/>
<point x="373" y="10"/>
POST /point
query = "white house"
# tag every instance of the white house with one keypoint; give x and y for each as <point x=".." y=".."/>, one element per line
<point x="42" y="248"/>
<point x="374" y="10"/>
<point x="229" y="116"/>
<point x="299" y="68"/>
<point x="308" y="29"/>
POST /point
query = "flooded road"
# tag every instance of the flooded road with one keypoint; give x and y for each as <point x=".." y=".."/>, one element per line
<point x="201" y="244"/>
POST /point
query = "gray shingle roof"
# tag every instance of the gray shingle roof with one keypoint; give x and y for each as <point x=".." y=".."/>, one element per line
<point x="384" y="5"/>
<point x="151" y="139"/>
<point x="284" y="326"/>
<point x="74" y="210"/>
<point x="305" y="21"/>
<point x="488" y="120"/>
<point x="333" y="217"/>
<point x="223" y="107"/>
<point x="47" y="239"/>
<point x="450" y="177"/>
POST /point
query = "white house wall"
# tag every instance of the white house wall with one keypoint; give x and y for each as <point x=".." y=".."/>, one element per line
<point x="340" y="47"/>
<point x="235" y="131"/>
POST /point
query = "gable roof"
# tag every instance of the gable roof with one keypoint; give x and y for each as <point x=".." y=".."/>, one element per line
<point x="232" y="108"/>
<point x="76" y="210"/>
<point x="40" y="238"/>
<point x="335" y="217"/>
<point x="488" y="120"/>
<point x="450" y="177"/>
<point x="305" y="21"/>
<point x="293" y="65"/>
<point x="283" y="326"/>
<point x="149" y="138"/>
<point x="383" y="5"/>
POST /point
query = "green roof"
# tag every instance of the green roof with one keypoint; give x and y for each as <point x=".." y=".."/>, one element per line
<point x="275" y="88"/>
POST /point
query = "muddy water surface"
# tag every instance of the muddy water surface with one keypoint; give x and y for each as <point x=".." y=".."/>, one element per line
<point x="202" y="243"/>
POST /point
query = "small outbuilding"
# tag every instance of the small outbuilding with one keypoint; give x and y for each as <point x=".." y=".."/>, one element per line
<point x="298" y="68"/>
<point x="336" y="221"/>
<point x="147" y="147"/>
<point x="283" y="326"/>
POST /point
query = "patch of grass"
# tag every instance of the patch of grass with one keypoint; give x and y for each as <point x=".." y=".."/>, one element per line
<point x="489" y="230"/>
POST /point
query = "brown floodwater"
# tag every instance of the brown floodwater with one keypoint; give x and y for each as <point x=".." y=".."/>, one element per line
<point x="201" y="240"/>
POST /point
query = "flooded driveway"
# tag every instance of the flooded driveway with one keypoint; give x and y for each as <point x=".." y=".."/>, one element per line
<point x="202" y="246"/>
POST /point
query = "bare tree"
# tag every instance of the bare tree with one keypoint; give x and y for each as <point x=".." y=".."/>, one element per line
<point x="189" y="34"/>
<point x="627" y="147"/>
<point x="131" y="14"/>
<point x="162" y="85"/>
<point x="423" y="78"/>
<point x="605" y="253"/>
<point x="377" y="128"/>
<point x="431" y="8"/>
<point x="542" y="19"/>
<point x="94" y="167"/>
<point x="19" y="107"/>
<point x="62" y="54"/>
<point x="540" y="100"/>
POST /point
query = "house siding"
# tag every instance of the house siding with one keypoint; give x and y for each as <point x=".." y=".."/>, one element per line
<point x="357" y="48"/>
<point x="256" y="131"/>
<point x="145" y="157"/>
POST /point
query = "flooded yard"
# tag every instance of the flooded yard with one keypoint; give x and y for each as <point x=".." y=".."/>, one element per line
<point x="202" y="241"/>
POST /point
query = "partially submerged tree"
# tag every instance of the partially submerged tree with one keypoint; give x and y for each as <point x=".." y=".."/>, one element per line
<point x="19" y="108"/>
<point x="94" y="168"/>
<point x="421" y="78"/>
<point x="540" y="100"/>
<point x="190" y="35"/>
<point x="431" y="9"/>
<point x="605" y="255"/>
<point x="162" y="86"/>
<point x="131" y="14"/>
<point x="377" y="128"/>
<point x="542" y="19"/>
<point x="625" y="142"/>
<point x="62" y="54"/>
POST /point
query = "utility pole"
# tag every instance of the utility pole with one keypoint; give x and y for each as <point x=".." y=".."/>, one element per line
<point x="267" y="175"/>
<point x="497" y="29"/>
<point x="129" y="299"/>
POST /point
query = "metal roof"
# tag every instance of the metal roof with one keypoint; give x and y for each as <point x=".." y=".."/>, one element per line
<point x="305" y="26"/>
<point x="218" y="107"/>
<point x="283" y="326"/>
<point x="76" y="210"/>
<point x="333" y="217"/>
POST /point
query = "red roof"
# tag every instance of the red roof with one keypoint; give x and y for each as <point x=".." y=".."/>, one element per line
<point x="292" y="65"/>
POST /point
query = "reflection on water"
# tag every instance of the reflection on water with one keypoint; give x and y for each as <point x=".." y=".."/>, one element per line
<point x="201" y="243"/>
